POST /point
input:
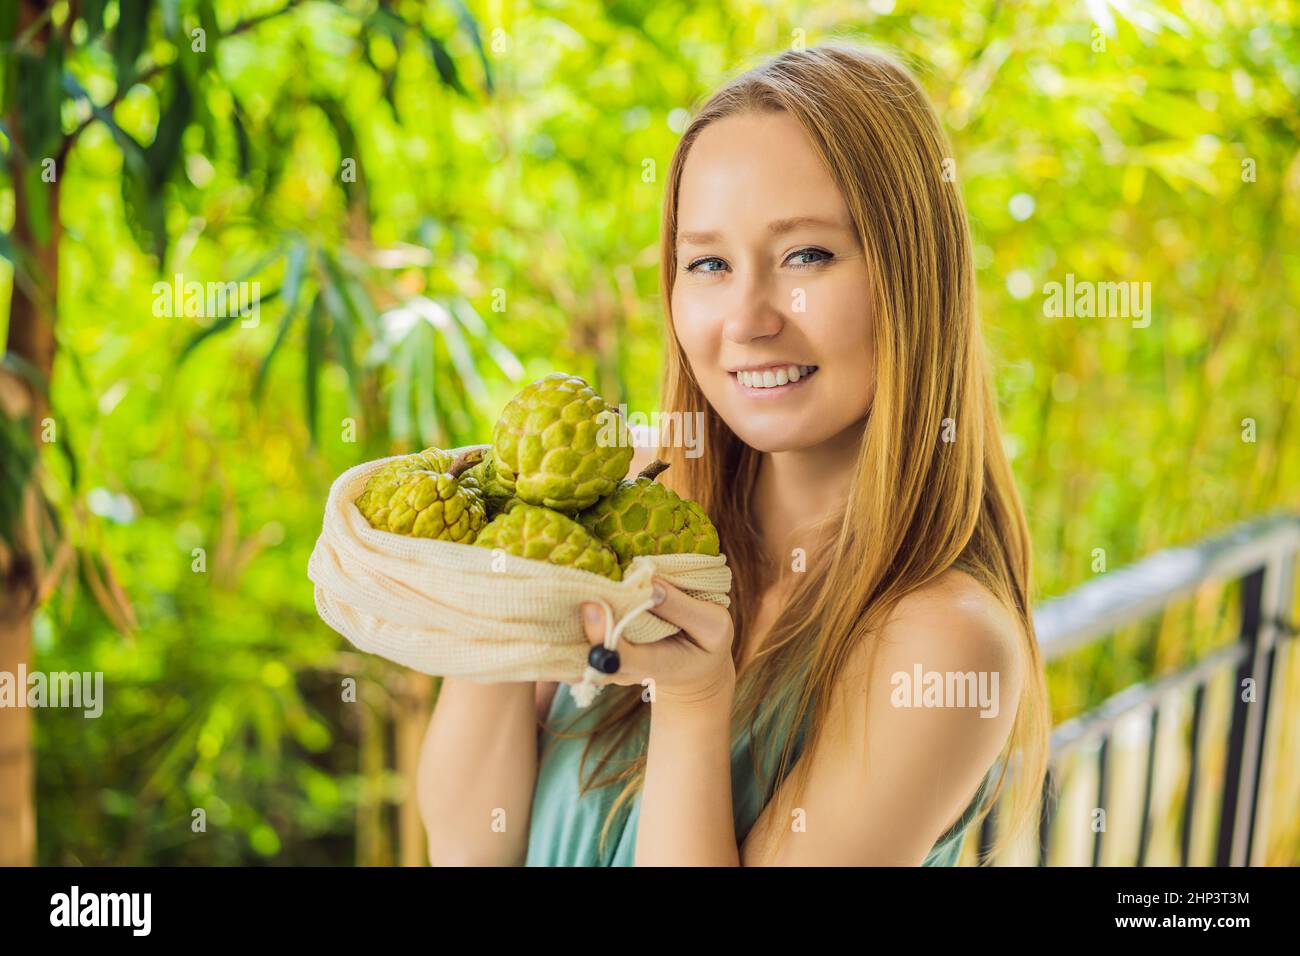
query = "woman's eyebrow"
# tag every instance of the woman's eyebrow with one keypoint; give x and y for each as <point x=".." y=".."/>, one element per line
<point x="699" y="238"/>
<point x="777" y="227"/>
<point x="781" y="226"/>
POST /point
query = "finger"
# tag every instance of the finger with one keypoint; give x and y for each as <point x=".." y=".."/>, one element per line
<point x="593" y="621"/>
<point x="632" y="666"/>
<point x="638" y="662"/>
<point x="704" y="622"/>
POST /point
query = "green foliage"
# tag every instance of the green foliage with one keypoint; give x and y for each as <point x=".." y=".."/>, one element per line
<point x="502" y="224"/>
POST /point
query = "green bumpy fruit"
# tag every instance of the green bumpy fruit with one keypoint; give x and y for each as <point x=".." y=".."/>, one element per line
<point x="531" y="531"/>
<point x="557" y="444"/>
<point x="442" y="502"/>
<point x="495" y="494"/>
<point x="378" y="492"/>
<point x="643" y="518"/>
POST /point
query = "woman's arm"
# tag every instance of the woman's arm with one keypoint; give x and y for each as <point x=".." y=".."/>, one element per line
<point x="686" y="810"/>
<point x="885" y="780"/>
<point x="478" y="764"/>
<point x="545" y="697"/>
<point x="478" y="768"/>
<point x="888" y="776"/>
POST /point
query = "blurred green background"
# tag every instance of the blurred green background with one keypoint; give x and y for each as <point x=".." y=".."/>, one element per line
<point x="502" y="222"/>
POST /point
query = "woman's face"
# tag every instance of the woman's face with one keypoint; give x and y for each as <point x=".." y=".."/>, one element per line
<point x="771" y="301"/>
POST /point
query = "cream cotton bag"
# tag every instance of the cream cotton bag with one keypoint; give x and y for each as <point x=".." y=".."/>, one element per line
<point x="457" y="610"/>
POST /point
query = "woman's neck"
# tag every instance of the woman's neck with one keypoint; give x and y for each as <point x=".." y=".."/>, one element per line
<point x="798" y="491"/>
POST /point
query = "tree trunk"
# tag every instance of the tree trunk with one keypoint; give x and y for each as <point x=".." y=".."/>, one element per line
<point x="17" y="808"/>
<point x="31" y="338"/>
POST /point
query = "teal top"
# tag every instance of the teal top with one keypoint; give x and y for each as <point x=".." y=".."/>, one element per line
<point x="564" y="829"/>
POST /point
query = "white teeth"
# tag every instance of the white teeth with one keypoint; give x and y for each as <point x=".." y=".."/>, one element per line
<point x="768" y="378"/>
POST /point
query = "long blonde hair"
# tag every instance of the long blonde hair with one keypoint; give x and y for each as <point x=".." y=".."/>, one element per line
<point x="920" y="505"/>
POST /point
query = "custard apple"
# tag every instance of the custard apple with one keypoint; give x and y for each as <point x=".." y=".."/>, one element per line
<point x="494" y="494"/>
<point x="558" y="444"/>
<point x="378" y="492"/>
<point x="441" y="503"/>
<point x="643" y="517"/>
<point x="531" y="531"/>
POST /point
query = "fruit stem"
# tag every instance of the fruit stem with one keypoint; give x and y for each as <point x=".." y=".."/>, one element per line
<point x="465" y="461"/>
<point x="654" y="469"/>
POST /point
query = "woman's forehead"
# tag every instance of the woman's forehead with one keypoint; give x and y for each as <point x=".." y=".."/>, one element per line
<point x="759" y="169"/>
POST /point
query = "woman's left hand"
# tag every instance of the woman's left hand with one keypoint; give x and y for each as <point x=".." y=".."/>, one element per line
<point x="693" y="666"/>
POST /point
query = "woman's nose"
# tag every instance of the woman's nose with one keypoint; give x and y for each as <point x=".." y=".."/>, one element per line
<point x="753" y="314"/>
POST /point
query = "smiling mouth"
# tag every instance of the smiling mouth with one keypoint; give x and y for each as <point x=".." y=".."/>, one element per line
<point x="775" y="378"/>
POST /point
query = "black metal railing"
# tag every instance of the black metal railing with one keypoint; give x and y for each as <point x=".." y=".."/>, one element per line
<point x="1259" y="555"/>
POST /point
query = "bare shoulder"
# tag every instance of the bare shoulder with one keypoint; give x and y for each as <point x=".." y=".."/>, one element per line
<point x="920" y="712"/>
<point x="957" y="620"/>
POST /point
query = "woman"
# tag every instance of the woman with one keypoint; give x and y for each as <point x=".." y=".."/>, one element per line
<point x="878" y="660"/>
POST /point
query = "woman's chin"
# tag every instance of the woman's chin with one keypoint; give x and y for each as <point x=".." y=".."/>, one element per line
<point x="763" y="438"/>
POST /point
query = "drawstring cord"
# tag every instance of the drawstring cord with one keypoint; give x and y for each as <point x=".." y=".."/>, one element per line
<point x="603" y="657"/>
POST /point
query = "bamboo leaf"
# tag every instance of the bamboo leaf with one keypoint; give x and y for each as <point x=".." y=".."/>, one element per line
<point x="311" y="371"/>
<point x="242" y="143"/>
<point x="129" y="38"/>
<point x="220" y="325"/>
<point x="162" y="154"/>
<point x="92" y="11"/>
<point x="458" y="348"/>
<point x="171" y="19"/>
<point x="345" y="318"/>
<point x="211" y="31"/>
<point x="339" y="295"/>
<point x="132" y="151"/>
<point x="444" y="64"/>
<point x="260" y="264"/>
<point x="399" y="393"/>
<point x="39" y="100"/>
<point x="8" y="24"/>
<point x="17" y="462"/>
<point x="291" y="287"/>
<point x="469" y="317"/>
<point x="470" y="26"/>
<point x="37" y="193"/>
<point x="426" y="401"/>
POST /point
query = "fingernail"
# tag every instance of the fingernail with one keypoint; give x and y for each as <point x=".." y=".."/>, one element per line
<point x="591" y="613"/>
<point x="658" y="594"/>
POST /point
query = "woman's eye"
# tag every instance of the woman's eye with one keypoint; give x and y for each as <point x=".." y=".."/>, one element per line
<point x="695" y="266"/>
<point x="805" y="258"/>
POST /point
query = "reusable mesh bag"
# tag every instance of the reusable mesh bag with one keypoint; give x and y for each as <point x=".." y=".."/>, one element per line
<point x="457" y="610"/>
